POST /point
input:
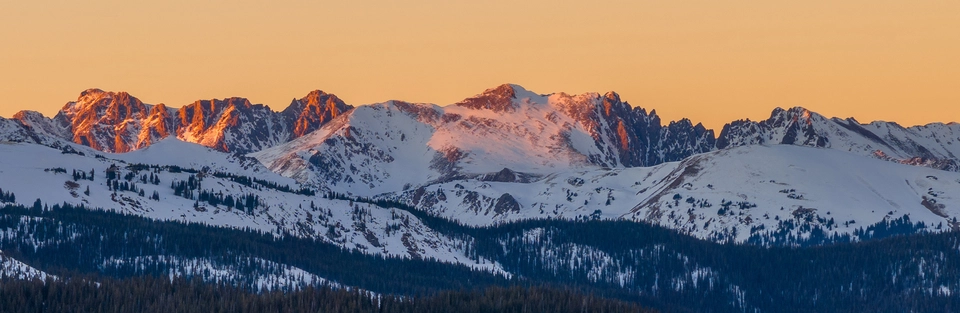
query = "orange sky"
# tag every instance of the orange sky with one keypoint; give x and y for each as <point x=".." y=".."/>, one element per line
<point x="711" y="61"/>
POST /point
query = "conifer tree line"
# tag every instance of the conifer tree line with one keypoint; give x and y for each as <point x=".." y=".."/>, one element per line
<point x="148" y="294"/>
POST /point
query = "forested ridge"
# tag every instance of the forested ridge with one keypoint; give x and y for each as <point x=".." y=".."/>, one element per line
<point x="628" y="261"/>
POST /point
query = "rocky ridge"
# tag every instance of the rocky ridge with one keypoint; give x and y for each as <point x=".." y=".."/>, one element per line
<point x="118" y="122"/>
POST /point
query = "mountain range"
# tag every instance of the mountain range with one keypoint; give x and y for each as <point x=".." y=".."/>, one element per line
<point x="591" y="128"/>
<point x="418" y="181"/>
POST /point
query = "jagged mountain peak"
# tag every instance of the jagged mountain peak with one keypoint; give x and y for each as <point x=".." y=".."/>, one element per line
<point x="611" y="97"/>
<point x="795" y="113"/>
<point x="92" y="92"/>
<point x="95" y="98"/>
<point x="231" y="125"/>
<point x="103" y="120"/>
<point x="307" y="114"/>
<point x="26" y="115"/>
<point x="503" y="98"/>
<point x="795" y="109"/>
<point x="160" y="108"/>
<point x="508" y="90"/>
<point x="90" y="96"/>
<point x="684" y="122"/>
<point x="498" y="99"/>
<point x="215" y="105"/>
<point x="317" y="94"/>
<point x="612" y="104"/>
<point x="315" y="99"/>
<point x="511" y="97"/>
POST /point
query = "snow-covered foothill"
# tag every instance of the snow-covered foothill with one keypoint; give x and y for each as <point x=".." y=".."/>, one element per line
<point x="723" y="195"/>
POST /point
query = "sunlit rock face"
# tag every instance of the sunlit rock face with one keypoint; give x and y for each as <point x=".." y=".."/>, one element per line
<point x="119" y="122"/>
<point x="106" y="121"/>
<point x="230" y="125"/>
<point x="307" y="114"/>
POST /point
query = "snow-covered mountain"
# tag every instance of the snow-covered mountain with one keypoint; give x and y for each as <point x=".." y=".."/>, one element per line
<point x="397" y="145"/>
<point x="503" y="155"/>
<point x="318" y="192"/>
<point x="935" y="145"/>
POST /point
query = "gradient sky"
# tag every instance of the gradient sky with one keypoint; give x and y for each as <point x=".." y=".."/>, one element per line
<point x="711" y="61"/>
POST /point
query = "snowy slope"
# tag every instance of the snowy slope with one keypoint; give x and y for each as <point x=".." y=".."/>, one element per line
<point x="762" y="187"/>
<point x="173" y="151"/>
<point x="30" y="172"/>
<point x="11" y="268"/>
